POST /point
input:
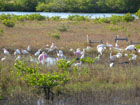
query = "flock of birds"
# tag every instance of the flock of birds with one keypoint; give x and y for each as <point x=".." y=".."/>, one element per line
<point x="41" y="56"/>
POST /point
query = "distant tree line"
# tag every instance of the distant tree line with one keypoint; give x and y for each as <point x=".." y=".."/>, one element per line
<point x="117" y="6"/>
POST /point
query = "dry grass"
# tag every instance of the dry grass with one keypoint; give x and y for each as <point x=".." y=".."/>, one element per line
<point x="35" y="33"/>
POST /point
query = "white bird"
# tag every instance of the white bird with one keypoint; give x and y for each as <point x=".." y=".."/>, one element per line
<point x="130" y="48"/>
<point x="6" y="52"/>
<point x="101" y="45"/>
<point x="52" y="46"/>
<point x="42" y="57"/>
<point x="3" y="59"/>
<point x="60" y="54"/>
<point x="17" y="52"/>
<point x="117" y="45"/>
<point x="29" y="48"/>
<point x="38" y="52"/>
<point x="111" y="65"/>
<point x="139" y="51"/>
<point x="82" y="56"/>
<point x="118" y="55"/>
<point x="18" y="58"/>
<point x="134" y="57"/>
<point x="112" y="58"/>
<point x="78" y="64"/>
<point x="100" y="50"/>
<point x="25" y="52"/>
<point x="109" y="45"/>
<point x="126" y="55"/>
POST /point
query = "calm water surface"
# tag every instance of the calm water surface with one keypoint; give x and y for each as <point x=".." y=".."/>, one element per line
<point x="65" y="15"/>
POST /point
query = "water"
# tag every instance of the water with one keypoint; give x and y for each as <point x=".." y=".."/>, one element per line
<point x="65" y="15"/>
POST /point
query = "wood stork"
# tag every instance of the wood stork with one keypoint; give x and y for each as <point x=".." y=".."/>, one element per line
<point x="101" y="45"/>
<point x="130" y="48"/>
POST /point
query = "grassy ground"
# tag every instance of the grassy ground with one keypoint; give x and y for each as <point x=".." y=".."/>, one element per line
<point x="93" y="84"/>
<point x="36" y="33"/>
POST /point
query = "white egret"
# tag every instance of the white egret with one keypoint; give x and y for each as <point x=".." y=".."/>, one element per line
<point x="118" y="55"/>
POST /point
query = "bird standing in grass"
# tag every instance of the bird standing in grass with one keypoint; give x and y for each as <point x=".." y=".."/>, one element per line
<point x="6" y="52"/>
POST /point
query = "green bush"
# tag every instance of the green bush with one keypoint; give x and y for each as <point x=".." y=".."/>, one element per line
<point x="55" y="18"/>
<point x="1" y="32"/>
<point x="138" y="13"/>
<point x="127" y="17"/>
<point x="8" y="22"/>
<point x="114" y="19"/>
<point x="78" y="18"/>
<point x="5" y="16"/>
<point x="35" y="17"/>
<point x="54" y="35"/>
<point x="62" y="28"/>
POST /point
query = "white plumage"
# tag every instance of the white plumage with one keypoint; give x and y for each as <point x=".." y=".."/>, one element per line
<point x="100" y="50"/>
<point x="25" y="52"/>
<point x="111" y="65"/>
<point x="29" y="48"/>
<point x="6" y="52"/>
<point x="17" y="52"/>
<point x="130" y="48"/>
<point x="112" y="58"/>
<point x="38" y="52"/>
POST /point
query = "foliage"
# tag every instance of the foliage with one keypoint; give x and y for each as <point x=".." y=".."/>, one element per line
<point x="34" y="78"/>
<point x="54" y="35"/>
<point x="55" y="18"/>
<point x="35" y="17"/>
<point x="62" y="28"/>
<point x="138" y="13"/>
<point x="64" y="64"/>
<point x="114" y="19"/>
<point x="91" y="6"/>
<point x="89" y="60"/>
<point x="1" y="32"/>
<point x="78" y="18"/>
<point x="8" y="22"/>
